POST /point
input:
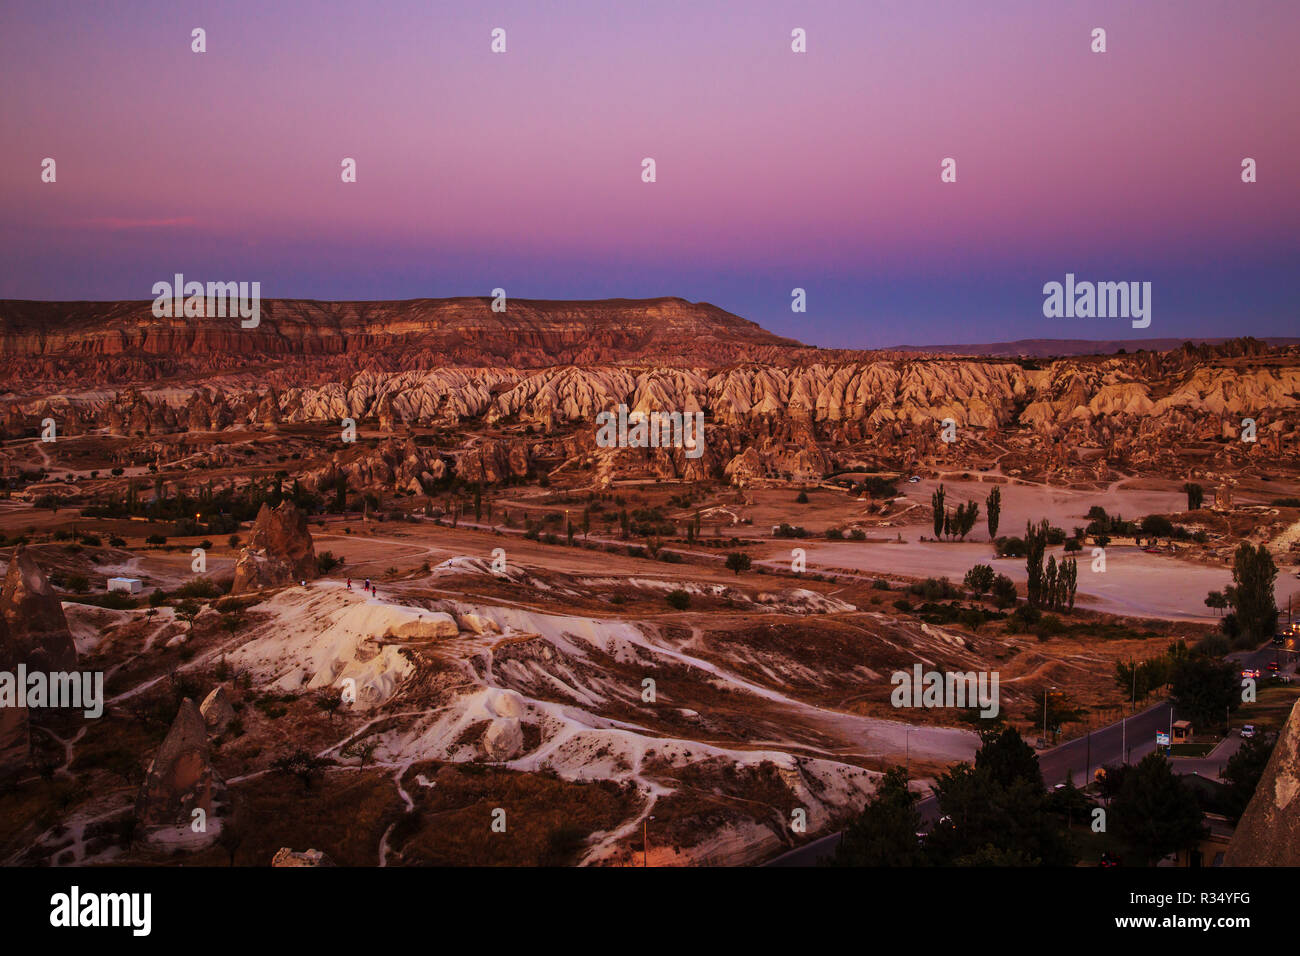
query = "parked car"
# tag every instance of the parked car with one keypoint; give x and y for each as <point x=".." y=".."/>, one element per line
<point x="1247" y="731"/>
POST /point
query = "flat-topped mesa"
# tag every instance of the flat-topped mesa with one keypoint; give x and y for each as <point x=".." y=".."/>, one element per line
<point x="280" y="550"/>
<point x="1268" y="833"/>
<point x="458" y="331"/>
<point x="37" y="631"/>
<point x="181" y="778"/>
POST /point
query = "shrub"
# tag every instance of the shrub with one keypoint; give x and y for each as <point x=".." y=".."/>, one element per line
<point x="678" y="599"/>
<point x="1049" y="626"/>
<point x="1009" y="547"/>
<point x="738" y="561"/>
<point x="979" y="578"/>
<point x="933" y="589"/>
<point x="199" y="588"/>
<point x="1025" y="618"/>
<point x="1157" y="526"/>
<point x="1003" y="591"/>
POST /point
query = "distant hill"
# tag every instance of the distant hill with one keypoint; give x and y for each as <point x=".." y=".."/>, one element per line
<point x="1047" y="348"/>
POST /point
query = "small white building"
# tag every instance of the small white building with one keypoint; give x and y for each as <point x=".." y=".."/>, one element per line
<point x="129" y="585"/>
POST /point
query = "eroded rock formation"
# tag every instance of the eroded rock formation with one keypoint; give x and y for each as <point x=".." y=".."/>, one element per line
<point x="279" y="551"/>
<point x="181" y="778"/>
<point x="37" y="630"/>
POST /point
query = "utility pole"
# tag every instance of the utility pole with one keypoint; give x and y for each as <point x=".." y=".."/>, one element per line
<point x="1044" y="717"/>
<point x="1132" y="707"/>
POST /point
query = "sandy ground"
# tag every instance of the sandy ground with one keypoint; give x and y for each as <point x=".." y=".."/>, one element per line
<point x="1134" y="583"/>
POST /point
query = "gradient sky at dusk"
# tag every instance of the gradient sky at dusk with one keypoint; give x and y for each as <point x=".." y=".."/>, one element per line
<point x="775" y="170"/>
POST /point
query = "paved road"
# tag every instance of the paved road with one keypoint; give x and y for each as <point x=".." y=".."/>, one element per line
<point x="1134" y="736"/>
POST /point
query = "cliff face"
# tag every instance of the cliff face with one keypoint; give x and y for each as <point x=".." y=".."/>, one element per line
<point x="462" y="331"/>
<point x="1268" y="833"/>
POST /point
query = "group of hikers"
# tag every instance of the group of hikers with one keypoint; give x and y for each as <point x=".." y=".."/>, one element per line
<point x="365" y="587"/>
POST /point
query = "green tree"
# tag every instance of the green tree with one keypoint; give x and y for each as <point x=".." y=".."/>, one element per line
<point x="738" y="561"/>
<point x="1244" y="770"/>
<point x="1204" y="688"/>
<point x="1195" y="495"/>
<point x="330" y="702"/>
<point x="1217" y="600"/>
<point x="1003" y="591"/>
<point x="1251" y="593"/>
<point x="1154" y="812"/>
<point x="1035" y="548"/>
<point x="361" y="749"/>
<point x="979" y="811"/>
<point x="979" y="578"/>
<point x="301" y="764"/>
<point x="993" y="510"/>
<point x="936" y="503"/>
<point x="1157" y="526"/>
<point x="187" y="611"/>
<point x="1006" y="756"/>
<point x="884" y="833"/>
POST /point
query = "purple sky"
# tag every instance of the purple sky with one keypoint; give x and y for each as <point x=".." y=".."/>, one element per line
<point x="775" y="170"/>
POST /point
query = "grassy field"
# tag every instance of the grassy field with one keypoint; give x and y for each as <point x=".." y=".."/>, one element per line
<point x="1270" y="711"/>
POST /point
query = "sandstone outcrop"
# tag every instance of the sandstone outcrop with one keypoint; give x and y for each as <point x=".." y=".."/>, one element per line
<point x="279" y="551"/>
<point x="287" y="857"/>
<point x="37" y="630"/>
<point x="181" y="778"/>
<point x="217" y="710"/>
<point x="1268" y="833"/>
<point x="15" y="734"/>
